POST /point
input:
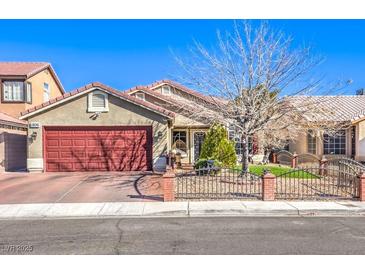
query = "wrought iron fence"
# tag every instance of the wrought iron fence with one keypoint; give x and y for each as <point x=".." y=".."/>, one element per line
<point x="308" y="183"/>
<point x="346" y="164"/>
<point x="284" y="157"/>
<point x="217" y="184"/>
<point x="308" y="159"/>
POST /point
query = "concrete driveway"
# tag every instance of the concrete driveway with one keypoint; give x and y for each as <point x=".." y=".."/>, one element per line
<point x="79" y="187"/>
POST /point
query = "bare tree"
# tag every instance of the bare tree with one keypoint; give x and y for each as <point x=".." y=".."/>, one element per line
<point x="250" y="77"/>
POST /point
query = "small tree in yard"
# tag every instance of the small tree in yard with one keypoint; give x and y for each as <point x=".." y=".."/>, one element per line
<point x="217" y="146"/>
<point x="250" y="78"/>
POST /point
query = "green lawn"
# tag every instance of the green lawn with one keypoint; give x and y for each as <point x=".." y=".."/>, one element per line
<point x="278" y="170"/>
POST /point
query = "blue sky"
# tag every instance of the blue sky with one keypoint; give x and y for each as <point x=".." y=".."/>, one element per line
<point x="126" y="53"/>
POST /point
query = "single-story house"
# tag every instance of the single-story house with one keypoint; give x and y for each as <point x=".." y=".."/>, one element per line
<point x="348" y="111"/>
<point x="97" y="128"/>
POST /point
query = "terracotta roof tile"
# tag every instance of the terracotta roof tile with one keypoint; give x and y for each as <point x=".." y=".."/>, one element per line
<point x="342" y="108"/>
<point x="27" y="69"/>
<point x="109" y="89"/>
<point x="21" y="68"/>
<point x="5" y="118"/>
<point x="182" y="88"/>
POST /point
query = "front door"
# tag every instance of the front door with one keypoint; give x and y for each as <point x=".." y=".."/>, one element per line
<point x="198" y="142"/>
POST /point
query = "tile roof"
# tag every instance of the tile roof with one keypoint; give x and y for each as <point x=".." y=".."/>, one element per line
<point x="27" y="70"/>
<point x="183" y="105"/>
<point x="187" y="90"/>
<point x="6" y="119"/>
<point x="341" y="108"/>
<point x="113" y="91"/>
<point x="338" y="108"/>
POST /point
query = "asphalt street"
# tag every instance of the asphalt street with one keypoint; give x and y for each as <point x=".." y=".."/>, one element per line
<point x="221" y="235"/>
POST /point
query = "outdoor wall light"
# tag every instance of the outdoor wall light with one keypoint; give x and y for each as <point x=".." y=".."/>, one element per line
<point x="159" y="134"/>
<point x="33" y="135"/>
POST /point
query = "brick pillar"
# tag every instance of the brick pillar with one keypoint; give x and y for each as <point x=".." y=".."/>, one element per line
<point x="168" y="185"/>
<point x="274" y="158"/>
<point x="362" y="187"/>
<point x="294" y="160"/>
<point x="268" y="187"/>
<point x="323" y="163"/>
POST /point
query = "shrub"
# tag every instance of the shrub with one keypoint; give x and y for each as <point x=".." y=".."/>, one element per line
<point x="203" y="163"/>
<point x="217" y="146"/>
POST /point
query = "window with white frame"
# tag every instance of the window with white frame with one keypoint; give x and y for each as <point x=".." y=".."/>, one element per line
<point x="166" y="90"/>
<point x="141" y="96"/>
<point x="13" y="91"/>
<point x="334" y="143"/>
<point x="46" y="92"/>
<point x="98" y="101"/>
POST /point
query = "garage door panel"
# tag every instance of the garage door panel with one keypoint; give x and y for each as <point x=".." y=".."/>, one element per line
<point x="65" y="142"/>
<point x="79" y="143"/>
<point x="98" y="148"/>
<point x="52" y="155"/>
<point x="52" y="133"/>
<point x="52" y="166"/>
<point x="93" y="142"/>
<point x="65" y="133"/>
<point x="79" y="133"/>
<point x="77" y="154"/>
<point x="52" y="143"/>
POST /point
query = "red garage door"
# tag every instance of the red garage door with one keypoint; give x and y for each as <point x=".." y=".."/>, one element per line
<point x="98" y="148"/>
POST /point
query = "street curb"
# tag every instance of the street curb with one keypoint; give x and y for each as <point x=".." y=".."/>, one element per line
<point x="181" y="209"/>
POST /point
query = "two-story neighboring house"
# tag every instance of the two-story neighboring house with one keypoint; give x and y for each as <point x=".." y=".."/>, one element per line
<point x="27" y="84"/>
<point x="22" y="85"/>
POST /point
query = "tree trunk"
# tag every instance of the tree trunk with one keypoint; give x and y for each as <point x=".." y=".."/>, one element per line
<point x="244" y="160"/>
<point x="267" y="155"/>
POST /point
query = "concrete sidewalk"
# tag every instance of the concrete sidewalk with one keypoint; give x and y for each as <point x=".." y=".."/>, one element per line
<point x="181" y="209"/>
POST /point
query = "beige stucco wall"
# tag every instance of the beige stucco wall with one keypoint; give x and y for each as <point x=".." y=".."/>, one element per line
<point x="300" y="144"/>
<point x="45" y="76"/>
<point x="74" y="112"/>
<point x="37" y="81"/>
<point x="183" y="121"/>
<point x="360" y="149"/>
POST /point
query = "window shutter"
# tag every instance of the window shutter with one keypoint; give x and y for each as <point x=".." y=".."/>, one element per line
<point x="28" y="87"/>
<point x="98" y="101"/>
<point x="7" y="93"/>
